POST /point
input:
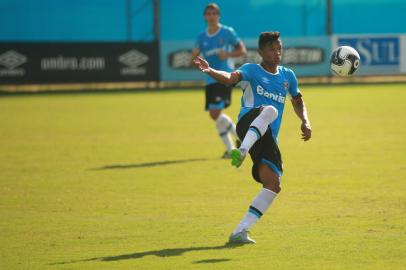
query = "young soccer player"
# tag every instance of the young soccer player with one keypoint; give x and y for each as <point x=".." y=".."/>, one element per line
<point x="218" y="44"/>
<point x="265" y="87"/>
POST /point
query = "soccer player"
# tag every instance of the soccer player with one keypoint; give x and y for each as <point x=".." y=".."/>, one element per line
<point x="218" y="44"/>
<point x="265" y="87"/>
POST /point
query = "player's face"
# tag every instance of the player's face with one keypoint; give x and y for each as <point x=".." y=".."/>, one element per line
<point x="211" y="16"/>
<point x="272" y="53"/>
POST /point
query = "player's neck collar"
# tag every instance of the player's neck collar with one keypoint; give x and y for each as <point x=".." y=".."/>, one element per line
<point x="276" y="73"/>
<point x="215" y="33"/>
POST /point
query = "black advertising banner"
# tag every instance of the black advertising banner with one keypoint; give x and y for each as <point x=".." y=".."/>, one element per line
<point x="22" y="63"/>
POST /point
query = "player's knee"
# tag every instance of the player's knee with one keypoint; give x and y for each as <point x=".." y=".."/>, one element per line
<point x="269" y="113"/>
<point x="270" y="180"/>
<point x="272" y="185"/>
<point x="273" y="188"/>
<point x="214" y="114"/>
<point x="278" y="189"/>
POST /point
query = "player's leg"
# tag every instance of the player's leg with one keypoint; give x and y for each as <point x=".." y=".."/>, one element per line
<point x="226" y="93"/>
<point x="267" y="170"/>
<point x="256" y="130"/>
<point x="223" y="127"/>
<point x="226" y="127"/>
<point x="218" y="98"/>
<point x="269" y="178"/>
<point x="258" y="127"/>
<point x="214" y="114"/>
<point x="260" y="204"/>
<point x="225" y="121"/>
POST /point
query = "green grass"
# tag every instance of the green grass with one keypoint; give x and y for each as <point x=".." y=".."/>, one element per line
<point x="84" y="184"/>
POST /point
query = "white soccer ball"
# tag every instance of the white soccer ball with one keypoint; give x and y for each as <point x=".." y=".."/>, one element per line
<point x="344" y="61"/>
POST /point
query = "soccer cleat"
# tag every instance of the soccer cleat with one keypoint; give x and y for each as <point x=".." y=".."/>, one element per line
<point x="226" y="155"/>
<point x="240" y="238"/>
<point x="237" y="157"/>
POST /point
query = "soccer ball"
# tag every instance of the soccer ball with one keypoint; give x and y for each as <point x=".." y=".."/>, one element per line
<point x="344" y="61"/>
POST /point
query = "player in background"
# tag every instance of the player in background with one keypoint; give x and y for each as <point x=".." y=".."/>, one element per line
<point x="218" y="44"/>
<point x="265" y="87"/>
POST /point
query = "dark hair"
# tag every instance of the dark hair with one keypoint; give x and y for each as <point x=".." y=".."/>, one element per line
<point x="212" y="6"/>
<point x="267" y="37"/>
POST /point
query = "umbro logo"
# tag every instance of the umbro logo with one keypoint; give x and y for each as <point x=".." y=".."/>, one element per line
<point x="10" y="63"/>
<point x="12" y="59"/>
<point x="133" y="58"/>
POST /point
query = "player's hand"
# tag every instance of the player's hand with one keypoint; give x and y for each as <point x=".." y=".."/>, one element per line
<point x="201" y="64"/>
<point x="222" y="55"/>
<point x="306" y="131"/>
<point x="235" y="76"/>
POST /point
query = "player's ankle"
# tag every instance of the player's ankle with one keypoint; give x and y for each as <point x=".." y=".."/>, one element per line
<point x="243" y="151"/>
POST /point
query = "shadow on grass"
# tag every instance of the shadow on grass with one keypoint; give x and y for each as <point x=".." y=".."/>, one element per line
<point x="171" y="252"/>
<point x="149" y="164"/>
<point x="213" y="261"/>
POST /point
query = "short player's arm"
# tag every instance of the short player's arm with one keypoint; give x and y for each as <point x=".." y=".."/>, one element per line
<point x="301" y="111"/>
<point x="223" y="77"/>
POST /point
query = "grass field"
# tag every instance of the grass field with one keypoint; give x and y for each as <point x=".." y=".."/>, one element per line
<point x="134" y="181"/>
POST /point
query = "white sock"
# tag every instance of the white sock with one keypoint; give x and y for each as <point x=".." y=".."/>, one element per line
<point x="257" y="208"/>
<point x="227" y="141"/>
<point x="233" y="131"/>
<point x="258" y="127"/>
<point x="230" y="125"/>
<point x="224" y="126"/>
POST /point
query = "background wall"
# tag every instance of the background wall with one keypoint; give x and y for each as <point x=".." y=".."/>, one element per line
<point x="114" y="40"/>
<point x="132" y="20"/>
<point x="76" y="20"/>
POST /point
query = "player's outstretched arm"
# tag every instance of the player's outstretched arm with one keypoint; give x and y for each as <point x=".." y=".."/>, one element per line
<point x="301" y="111"/>
<point x="220" y="76"/>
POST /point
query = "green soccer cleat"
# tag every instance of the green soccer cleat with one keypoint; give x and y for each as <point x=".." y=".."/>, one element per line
<point x="240" y="238"/>
<point x="237" y="157"/>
